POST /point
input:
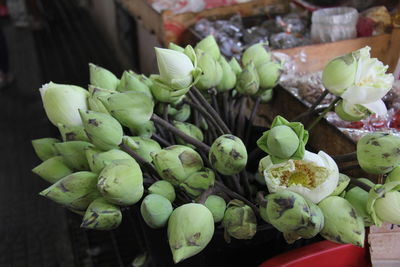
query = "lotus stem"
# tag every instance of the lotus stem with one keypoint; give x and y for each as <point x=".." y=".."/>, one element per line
<point x="161" y="140"/>
<point x="349" y="168"/>
<point x="250" y="125"/>
<point x="360" y="184"/>
<point x="345" y="157"/>
<point x="233" y="194"/>
<point x="330" y="107"/>
<point x="203" y="197"/>
<point x="241" y="119"/>
<point x="313" y="106"/>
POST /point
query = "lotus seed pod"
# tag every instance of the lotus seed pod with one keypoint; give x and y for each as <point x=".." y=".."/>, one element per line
<point x="130" y="109"/>
<point x="121" y="182"/>
<point x="103" y="130"/>
<point x="190" y="229"/>
<point x="282" y="141"/>
<point x="228" y="80"/>
<point x="165" y="94"/>
<point x="210" y="45"/>
<point x="211" y="70"/>
<point x="266" y="95"/>
<point x="182" y="114"/>
<point x="383" y="203"/>
<point x="217" y="206"/>
<point x="163" y="188"/>
<point x="155" y="210"/>
<point x="256" y="54"/>
<point x="235" y="66"/>
<point x="358" y="198"/>
<point x="342" y="223"/>
<point x="144" y="147"/>
<point x="98" y="159"/>
<point x="239" y="220"/>
<point x="198" y="182"/>
<point x="269" y="73"/>
<point x="73" y="153"/>
<point x="94" y="101"/>
<point x="102" y="215"/>
<point x="355" y="113"/>
<point x="175" y="163"/>
<point x="378" y="153"/>
<point x="228" y="154"/>
<point x="145" y="130"/>
<point x="175" y="47"/>
<point x="75" y="191"/>
<point x="72" y="133"/>
<point x="130" y="82"/>
<point x="394" y="175"/>
<point x="52" y="169"/>
<point x="339" y="74"/>
<point x="343" y="182"/>
<point x="100" y="77"/>
<point x="189" y="129"/>
<point x="61" y="103"/>
<point x="248" y="82"/>
<point x="289" y="212"/>
<point x="44" y="147"/>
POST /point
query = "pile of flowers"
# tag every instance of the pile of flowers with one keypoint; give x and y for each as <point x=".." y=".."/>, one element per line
<point x="176" y="144"/>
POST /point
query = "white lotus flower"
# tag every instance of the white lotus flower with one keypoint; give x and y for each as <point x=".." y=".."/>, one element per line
<point x="175" y="68"/>
<point x="61" y="103"/>
<point x="314" y="177"/>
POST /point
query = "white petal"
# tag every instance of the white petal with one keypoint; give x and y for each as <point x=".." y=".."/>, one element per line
<point x="377" y="107"/>
<point x="312" y="157"/>
<point x="173" y="64"/>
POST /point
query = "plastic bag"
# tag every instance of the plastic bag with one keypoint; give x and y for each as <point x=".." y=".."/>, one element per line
<point x="334" y="24"/>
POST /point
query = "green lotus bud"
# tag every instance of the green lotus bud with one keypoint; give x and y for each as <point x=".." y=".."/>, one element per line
<point x="100" y="77"/>
<point x="189" y="129"/>
<point x="358" y="198"/>
<point x="121" y="182"/>
<point x="52" y="169"/>
<point x="72" y="133"/>
<point x="228" y="154"/>
<point x="103" y="130"/>
<point x="61" y="103"/>
<point x="44" y="147"/>
<point x="140" y="260"/>
<point x="102" y="215"/>
<point x="248" y="82"/>
<point x="235" y="66"/>
<point x="73" y="153"/>
<point x="74" y="191"/>
<point x="377" y="153"/>
<point x="98" y="160"/>
<point x="130" y="108"/>
<point x="182" y="114"/>
<point x="198" y="182"/>
<point x="175" y="68"/>
<point x="163" y="188"/>
<point x="289" y="212"/>
<point x="94" y="101"/>
<point x="394" y="175"/>
<point x="339" y="74"/>
<point x="384" y="203"/>
<point x="342" y="223"/>
<point x="175" y="163"/>
<point x="282" y="143"/>
<point x="155" y="210"/>
<point x="165" y="94"/>
<point x="190" y="229"/>
<point x="212" y="70"/>
<point x="176" y="47"/>
<point x="228" y="80"/>
<point x="344" y="181"/>
<point x="142" y="146"/>
<point x="351" y="112"/>
<point x="217" y="206"/>
<point x="256" y="54"/>
<point x="130" y="82"/>
<point x="269" y="73"/>
<point x="239" y="220"/>
<point x="210" y="45"/>
<point x="266" y="95"/>
<point x="145" y="130"/>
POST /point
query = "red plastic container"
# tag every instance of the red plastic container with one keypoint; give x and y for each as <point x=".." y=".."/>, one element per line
<point x="322" y="254"/>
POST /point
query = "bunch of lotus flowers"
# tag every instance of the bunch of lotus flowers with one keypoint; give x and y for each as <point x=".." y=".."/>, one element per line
<point x="175" y="144"/>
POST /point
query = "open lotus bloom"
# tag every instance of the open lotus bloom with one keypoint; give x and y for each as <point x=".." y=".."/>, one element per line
<point x="359" y="80"/>
<point x="314" y="177"/>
